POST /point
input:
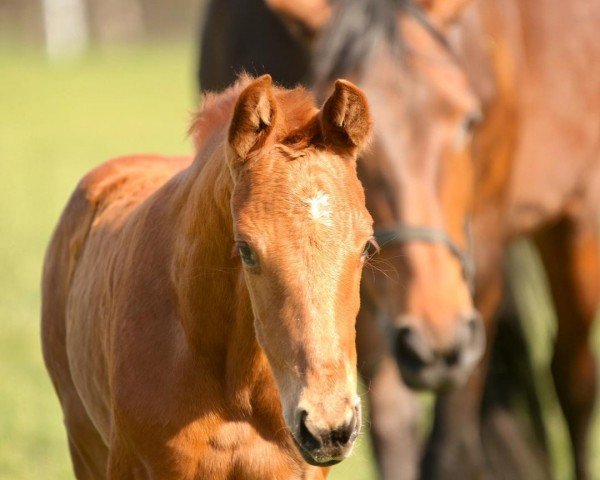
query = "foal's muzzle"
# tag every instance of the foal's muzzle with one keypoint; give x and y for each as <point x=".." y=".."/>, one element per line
<point x="323" y="447"/>
<point x="426" y="366"/>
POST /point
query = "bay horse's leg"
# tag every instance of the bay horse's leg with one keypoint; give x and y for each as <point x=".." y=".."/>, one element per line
<point x="454" y="448"/>
<point x="394" y="409"/>
<point x="509" y="453"/>
<point x="394" y="422"/>
<point x="456" y="445"/>
<point x="570" y="255"/>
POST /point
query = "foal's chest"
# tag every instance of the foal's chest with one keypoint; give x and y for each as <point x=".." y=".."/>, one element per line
<point x="236" y="451"/>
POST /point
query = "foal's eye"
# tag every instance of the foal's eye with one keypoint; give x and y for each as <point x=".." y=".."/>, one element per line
<point x="370" y="249"/>
<point x="246" y="254"/>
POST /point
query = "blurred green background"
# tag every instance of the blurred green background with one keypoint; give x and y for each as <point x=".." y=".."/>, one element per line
<point x="59" y="119"/>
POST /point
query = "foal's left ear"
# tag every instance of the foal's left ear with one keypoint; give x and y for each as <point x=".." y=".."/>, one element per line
<point x="253" y="117"/>
<point x="345" y="118"/>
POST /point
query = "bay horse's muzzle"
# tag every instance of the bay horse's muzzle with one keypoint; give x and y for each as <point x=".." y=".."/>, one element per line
<point x="323" y="447"/>
<point x="426" y="366"/>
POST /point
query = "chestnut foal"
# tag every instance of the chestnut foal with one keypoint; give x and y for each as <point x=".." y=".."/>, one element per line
<point x="173" y="358"/>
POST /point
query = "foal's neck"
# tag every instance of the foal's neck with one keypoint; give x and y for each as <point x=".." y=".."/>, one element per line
<point x="215" y="309"/>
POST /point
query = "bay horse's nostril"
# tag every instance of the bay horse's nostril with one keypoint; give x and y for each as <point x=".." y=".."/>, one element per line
<point x="431" y="361"/>
<point x="411" y="349"/>
<point x="474" y="337"/>
<point x="452" y="358"/>
<point x="470" y="333"/>
<point x="475" y="325"/>
<point x="469" y="340"/>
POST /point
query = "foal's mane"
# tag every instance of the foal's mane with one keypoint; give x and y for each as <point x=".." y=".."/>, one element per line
<point x="296" y="107"/>
<point x="356" y="28"/>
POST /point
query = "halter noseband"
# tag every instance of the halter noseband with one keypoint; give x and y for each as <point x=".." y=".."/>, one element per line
<point x="405" y="234"/>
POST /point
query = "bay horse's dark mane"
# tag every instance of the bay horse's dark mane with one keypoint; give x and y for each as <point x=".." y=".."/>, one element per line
<point x="355" y="30"/>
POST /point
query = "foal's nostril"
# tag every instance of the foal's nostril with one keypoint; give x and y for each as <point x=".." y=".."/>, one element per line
<point x="327" y="441"/>
<point x="347" y="433"/>
<point x="307" y="439"/>
<point x="341" y="436"/>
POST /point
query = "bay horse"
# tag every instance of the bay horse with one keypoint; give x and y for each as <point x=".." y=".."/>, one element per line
<point x="536" y="68"/>
<point x="417" y="176"/>
<point x="198" y="315"/>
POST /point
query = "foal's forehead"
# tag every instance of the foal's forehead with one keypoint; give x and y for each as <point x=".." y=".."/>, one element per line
<point x="303" y="171"/>
<point x="319" y="179"/>
<point x="310" y="188"/>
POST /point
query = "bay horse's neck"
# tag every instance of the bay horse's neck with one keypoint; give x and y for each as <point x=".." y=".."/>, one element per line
<point x="214" y="305"/>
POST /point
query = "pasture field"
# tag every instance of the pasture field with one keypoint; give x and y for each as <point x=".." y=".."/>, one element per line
<point x="56" y="122"/>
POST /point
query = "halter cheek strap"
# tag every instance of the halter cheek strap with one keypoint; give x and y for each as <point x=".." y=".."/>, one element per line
<point x="406" y="234"/>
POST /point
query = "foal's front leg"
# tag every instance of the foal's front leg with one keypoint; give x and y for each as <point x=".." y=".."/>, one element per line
<point x="570" y="254"/>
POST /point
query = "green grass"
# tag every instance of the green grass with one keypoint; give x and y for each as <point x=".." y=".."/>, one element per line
<point x="57" y="121"/>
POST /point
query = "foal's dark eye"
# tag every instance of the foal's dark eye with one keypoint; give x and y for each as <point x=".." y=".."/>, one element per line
<point x="246" y="254"/>
<point x="370" y="249"/>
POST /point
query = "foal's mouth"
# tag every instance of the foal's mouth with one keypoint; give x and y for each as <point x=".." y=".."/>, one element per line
<point x="317" y="460"/>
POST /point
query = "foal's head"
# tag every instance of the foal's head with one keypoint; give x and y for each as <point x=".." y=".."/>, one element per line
<point x="303" y="233"/>
<point x="419" y="181"/>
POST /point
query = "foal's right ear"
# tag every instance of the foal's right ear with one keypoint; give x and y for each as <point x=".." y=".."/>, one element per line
<point x="345" y="118"/>
<point x="253" y="117"/>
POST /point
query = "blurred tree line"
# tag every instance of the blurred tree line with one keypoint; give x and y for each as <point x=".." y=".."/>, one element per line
<point x="66" y="27"/>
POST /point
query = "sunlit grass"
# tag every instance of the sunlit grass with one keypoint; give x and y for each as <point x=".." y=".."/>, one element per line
<point x="56" y="121"/>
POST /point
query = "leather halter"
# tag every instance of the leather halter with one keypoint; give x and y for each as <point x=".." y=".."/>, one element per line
<point x="406" y="234"/>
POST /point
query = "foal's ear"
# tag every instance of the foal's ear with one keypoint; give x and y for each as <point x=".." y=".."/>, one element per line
<point x="253" y="117"/>
<point x="345" y="118"/>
